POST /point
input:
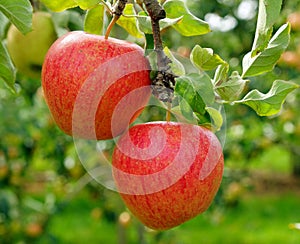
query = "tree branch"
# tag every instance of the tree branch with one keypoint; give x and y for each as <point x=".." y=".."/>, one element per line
<point x="163" y="84"/>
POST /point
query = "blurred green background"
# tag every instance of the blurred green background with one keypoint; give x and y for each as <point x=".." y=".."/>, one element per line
<point x="46" y="196"/>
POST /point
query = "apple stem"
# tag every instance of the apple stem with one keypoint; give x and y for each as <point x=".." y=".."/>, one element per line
<point x="110" y="26"/>
<point x="168" y="114"/>
<point x="164" y="82"/>
<point x="117" y="12"/>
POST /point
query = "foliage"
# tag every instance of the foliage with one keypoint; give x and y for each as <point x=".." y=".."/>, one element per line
<point x="242" y="70"/>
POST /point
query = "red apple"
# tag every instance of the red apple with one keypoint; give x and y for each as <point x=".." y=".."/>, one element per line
<point x="167" y="172"/>
<point x="85" y="76"/>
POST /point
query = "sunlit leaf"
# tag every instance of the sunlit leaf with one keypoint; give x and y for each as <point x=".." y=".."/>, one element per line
<point x="270" y="103"/>
<point x="93" y="22"/>
<point x="7" y="70"/>
<point x="266" y="60"/>
<point x="216" y="118"/>
<point x="144" y="22"/>
<point x="87" y="4"/>
<point x="176" y="67"/>
<point x="232" y="88"/>
<point x="19" y="12"/>
<point x="189" y="25"/>
<point x="129" y="23"/>
<point x="59" y="5"/>
<point x="204" y="58"/>
<point x="268" y="13"/>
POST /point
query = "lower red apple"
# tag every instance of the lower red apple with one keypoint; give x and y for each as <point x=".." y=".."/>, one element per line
<point x="85" y="76"/>
<point x="167" y="172"/>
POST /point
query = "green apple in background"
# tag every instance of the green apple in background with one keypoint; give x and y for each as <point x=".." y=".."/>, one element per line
<point x="28" y="51"/>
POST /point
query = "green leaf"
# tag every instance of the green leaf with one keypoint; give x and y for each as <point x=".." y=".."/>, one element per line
<point x="268" y="14"/>
<point x="129" y="23"/>
<point x="144" y="22"/>
<point x="266" y="60"/>
<point x="189" y="25"/>
<point x="94" y="20"/>
<point x="176" y="67"/>
<point x="87" y="4"/>
<point x="221" y="74"/>
<point x="216" y="119"/>
<point x="270" y="103"/>
<point x="204" y="58"/>
<point x="4" y="22"/>
<point x="190" y="100"/>
<point x="196" y="92"/>
<point x="19" y="12"/>
<point x="59" y="5"/>
<point x="232" y="88"/>
<point x="7" y="70"/>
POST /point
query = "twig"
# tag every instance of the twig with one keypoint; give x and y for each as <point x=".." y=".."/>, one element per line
<point x="118" y="10"/>
<point x="163" y="84"/>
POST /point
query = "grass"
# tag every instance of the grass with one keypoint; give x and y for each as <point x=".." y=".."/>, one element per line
<point x="257" y="219"/>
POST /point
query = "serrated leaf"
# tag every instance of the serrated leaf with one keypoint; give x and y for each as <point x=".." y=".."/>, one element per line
<point x="232" y="88"/>
<point x="59" y="5"/>
<point x="215" y="117"/>
<point x="176" y="67"/>
<point x="93" y="22"/>
<point x="144" y="22"/>
<point x="268" y="13"/>
<point x="270" y="103"/>
<point x="129" y="23"/>
<point x="7" y="70"/>
<point x="196" y="90"/>
<point x="266" y="60"/>
<point x="205" y="59"/>
<point x="87" y="4"/>
<point x="19" y="12"/>
<point x="189" y="25"/>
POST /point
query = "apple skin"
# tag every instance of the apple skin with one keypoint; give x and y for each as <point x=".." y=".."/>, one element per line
<point x="84" y="78"/>
<point x="178" y="183"/>
<point x="28" y="51"/>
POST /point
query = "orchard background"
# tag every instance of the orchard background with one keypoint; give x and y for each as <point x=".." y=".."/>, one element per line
<point x="47" y="196"/>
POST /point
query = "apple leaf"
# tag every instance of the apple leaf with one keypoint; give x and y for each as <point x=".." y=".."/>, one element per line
<point x="176" y="67"/>
<point x="144" y="22"/>
<point x="94" y="20"/>
<point x="216" y="119"/>
<point x="87" y="4"/>
<point x="129" y="23"/>
<point x="4" y="22"/>
<point x="7" y="69"/>
<point x="189" y="25"/>
<point x="232" y="88"/>
<point x="268" y="13"/>
<point x="59" y="5"/>
<point x="270" y="103"/>
<point x="19" y="12"/>
<point x="266" y="60"/>
<point x="195" y="93"/>
<point x="204" y="58"/>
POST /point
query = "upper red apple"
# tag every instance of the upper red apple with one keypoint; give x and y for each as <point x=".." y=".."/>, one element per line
<point x="167" y="172"/>
<point x="85" y="76"/>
